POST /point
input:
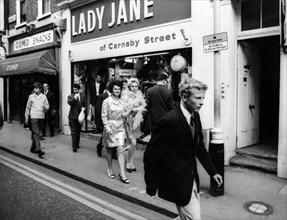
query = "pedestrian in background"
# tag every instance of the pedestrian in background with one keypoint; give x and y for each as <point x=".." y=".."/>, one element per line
<point x="51" y="113"/>
<point x="114" y="132"/>
<point x="36" y="107"/>
<point x="134" y="106"/>
<point x="99" y="90"/>
<point x="125" y="86"/>
<point x="170" y="158"/>
<point x="1" y="118"/>
<point x="159" y="101"/>
<point x="77" y="102"/>
<point x="1" y="123"/>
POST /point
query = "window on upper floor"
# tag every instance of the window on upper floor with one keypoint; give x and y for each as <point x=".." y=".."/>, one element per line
<point x="22" y="11"/>
<point x="44" y="8"/>
<point x="256" y="14"/>
<point x="21" y="17"/>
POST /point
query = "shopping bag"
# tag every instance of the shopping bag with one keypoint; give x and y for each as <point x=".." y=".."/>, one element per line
<point x="81" y="116"/>
<point x="90" y="115"/>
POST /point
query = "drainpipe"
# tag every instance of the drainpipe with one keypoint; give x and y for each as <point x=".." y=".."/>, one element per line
<point x="216" y="146"/>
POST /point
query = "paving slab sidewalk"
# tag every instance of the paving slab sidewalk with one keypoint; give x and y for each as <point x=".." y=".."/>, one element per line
<point x="241" y="185"/>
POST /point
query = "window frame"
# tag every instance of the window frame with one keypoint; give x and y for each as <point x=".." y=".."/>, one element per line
<point x="18" y="14"/>
<point x="42" y="15"/>
<point x="258" y="32"/>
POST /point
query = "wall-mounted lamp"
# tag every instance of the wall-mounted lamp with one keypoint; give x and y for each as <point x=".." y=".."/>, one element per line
<point x="30" y="27"/>
<point x="187" y="39"/>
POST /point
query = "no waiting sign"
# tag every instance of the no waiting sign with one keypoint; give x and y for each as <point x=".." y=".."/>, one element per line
<point x="215" y="42"/>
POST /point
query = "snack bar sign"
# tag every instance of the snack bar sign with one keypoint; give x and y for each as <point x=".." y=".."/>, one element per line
<point x="215" y="42"/>
<point x="34" y="40"/>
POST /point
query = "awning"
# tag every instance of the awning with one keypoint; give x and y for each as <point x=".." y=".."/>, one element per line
<point x="42" y="62"/>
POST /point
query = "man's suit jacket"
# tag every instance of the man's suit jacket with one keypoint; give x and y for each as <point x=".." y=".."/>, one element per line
<point x="76" y="105"/>
<point x="51" y="99"/>
<point x="102" y="87"/>
<point x="159" y="101"/>
<point x="170" y="158"/>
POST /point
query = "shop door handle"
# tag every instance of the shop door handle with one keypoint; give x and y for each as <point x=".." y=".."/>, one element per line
<point x="251" y="107"/>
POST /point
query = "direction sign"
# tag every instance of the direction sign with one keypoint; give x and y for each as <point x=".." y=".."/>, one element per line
<point x="215" y="42"/>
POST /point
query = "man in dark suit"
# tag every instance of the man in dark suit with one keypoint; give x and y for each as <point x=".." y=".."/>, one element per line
<point x="77" y="102"/>
<point x="170" y="158"/>
<point x="159" y="101"/>
<point x="51" y="113"/>
<point x="99" y="90"/>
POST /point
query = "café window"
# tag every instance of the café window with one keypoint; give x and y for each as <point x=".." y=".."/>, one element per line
<point x="22" y="11"/>
<point x="257" y="14"/>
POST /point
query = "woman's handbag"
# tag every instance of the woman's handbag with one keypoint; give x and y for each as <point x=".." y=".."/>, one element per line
<point x="81" y="116"/>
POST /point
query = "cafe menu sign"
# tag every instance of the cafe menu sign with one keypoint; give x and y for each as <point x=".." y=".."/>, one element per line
<point x="34" y="40"/>
<point x="103" y="18"/>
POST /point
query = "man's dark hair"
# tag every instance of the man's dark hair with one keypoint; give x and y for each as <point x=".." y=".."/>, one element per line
<point x="115" y="82"/>
<point x="162" y="75"/>
<point x="38" y="85"/>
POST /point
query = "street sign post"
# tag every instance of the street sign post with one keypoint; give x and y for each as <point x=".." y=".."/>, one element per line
<point x="215" y="42"/>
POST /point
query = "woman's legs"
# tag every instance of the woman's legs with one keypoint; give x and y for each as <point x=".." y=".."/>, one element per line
<point x="121" y="160"/>
<point x="110" y="160"/>
<point x="130" y="161"/>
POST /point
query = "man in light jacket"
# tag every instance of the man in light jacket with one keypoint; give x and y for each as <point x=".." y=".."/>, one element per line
<point x="36" y="107"/>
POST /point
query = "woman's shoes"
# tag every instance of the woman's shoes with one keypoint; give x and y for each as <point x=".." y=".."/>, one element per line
<point x="126" y="181"/>
<point x="110" y="174"/>
<point x="126" y="148"/>
<point x="130" y="169"/>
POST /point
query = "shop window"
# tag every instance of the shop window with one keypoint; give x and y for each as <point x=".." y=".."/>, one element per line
<point x="256" y="14"/>
<point x="144" y="66"/>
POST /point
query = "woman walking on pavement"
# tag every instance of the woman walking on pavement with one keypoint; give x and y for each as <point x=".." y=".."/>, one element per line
<point x="134" y="105"/>
<point x="114" y="132"/>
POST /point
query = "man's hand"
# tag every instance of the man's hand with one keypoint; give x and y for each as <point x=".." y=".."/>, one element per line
<point x="77" y="95"/>
<point x="218" y="179"/>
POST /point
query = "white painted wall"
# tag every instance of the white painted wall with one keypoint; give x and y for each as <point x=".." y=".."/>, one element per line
<point x="202" y="22"/>
<point x="65" y="73"/>
<point x="282" y="143"/>
<point x="2" y="15"/>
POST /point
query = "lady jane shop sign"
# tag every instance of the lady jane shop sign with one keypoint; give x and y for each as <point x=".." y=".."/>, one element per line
<point x="162" y="37"/>
<point x="103" y="18"/>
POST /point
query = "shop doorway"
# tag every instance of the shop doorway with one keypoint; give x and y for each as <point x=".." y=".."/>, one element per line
<point x="258" y="93"/>
<point x="21" y="86"/>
